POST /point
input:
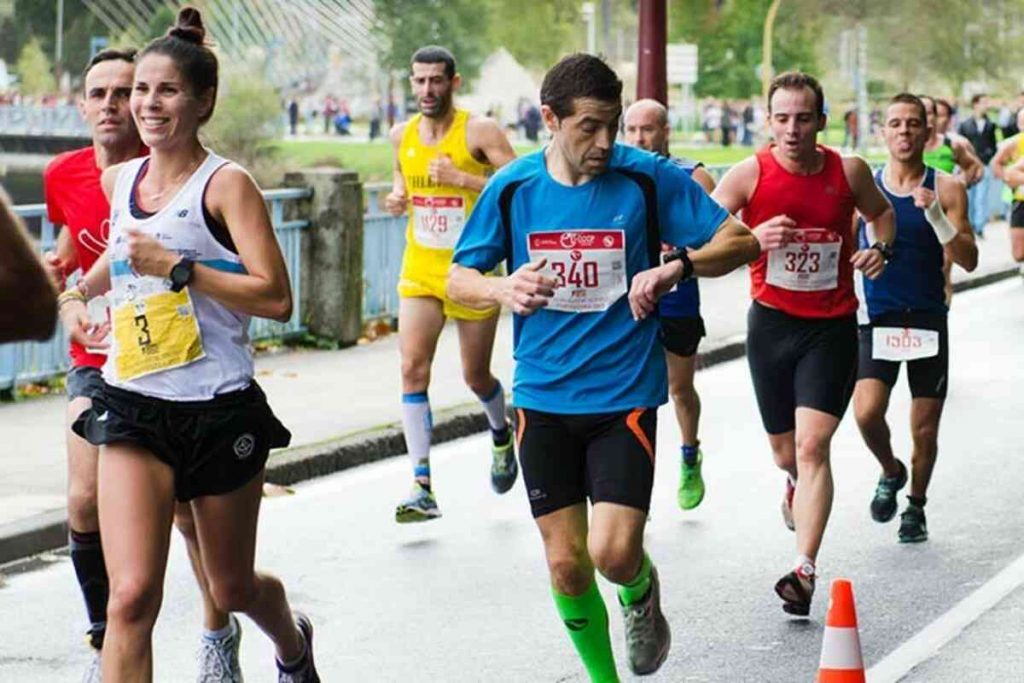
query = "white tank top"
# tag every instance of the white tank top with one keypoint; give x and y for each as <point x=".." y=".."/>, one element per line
<point x="218" y="362"/>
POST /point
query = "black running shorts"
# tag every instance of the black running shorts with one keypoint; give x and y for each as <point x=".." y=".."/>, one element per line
<point x="928" y="377"/>
<point x="800" y="363"/>
<point x="607" y="457"/>
<point x="1017" y="214"/>
<point x="681" y="336"/>
<point x="214" y="447"/>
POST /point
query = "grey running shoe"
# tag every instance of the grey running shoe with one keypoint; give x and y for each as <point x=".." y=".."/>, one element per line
<point x="420" y="506"/>
<point x="648" y="636"/>
<point x="913" y="528"/>
<point x="883" y="505"/>
<point x="306" y="673"/>
<point x="504" y="467"/>
<point x="94" y="674"/>
<point x="218" y="659"/>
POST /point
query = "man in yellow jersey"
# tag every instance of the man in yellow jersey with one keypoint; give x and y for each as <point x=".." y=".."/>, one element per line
<point x="443" y="156"/>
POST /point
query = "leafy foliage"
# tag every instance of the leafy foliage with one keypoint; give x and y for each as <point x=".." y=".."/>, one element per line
<point x="34" y="70"/>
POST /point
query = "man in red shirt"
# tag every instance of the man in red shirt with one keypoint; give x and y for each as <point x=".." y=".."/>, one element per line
<point x="802" y="327"/>
<point x="75" y="200"/>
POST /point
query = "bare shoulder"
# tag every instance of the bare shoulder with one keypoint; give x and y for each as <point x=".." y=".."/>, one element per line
<point x="396" y="133"/>
<point x="109" y="178"/>
<point x="742" y="176"/>
<point x="229" y="182"/>
<point x="855" y="164"/>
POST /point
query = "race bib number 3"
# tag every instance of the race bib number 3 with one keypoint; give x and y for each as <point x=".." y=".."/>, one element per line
<point x="155" y="333"/>
<point x="590" y="266"/>
<point x="903" y="343"/>
<point x="438" y="220"/>
<point x="810" y="263"/>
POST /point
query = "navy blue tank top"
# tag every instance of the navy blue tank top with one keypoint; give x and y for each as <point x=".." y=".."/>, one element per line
<point x="684" y="302"/>
<point x="913" y="279"/>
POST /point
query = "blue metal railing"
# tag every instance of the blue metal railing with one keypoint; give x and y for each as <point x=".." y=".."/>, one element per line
<point x="383" y="244"/>
<point x="36" y="361"/>
<point x="62" y="119"/>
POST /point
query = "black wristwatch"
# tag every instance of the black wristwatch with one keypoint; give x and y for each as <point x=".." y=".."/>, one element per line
<point x="680" y="255"/>
<point x="181" y="274"/>
<point x="884" y="249"/>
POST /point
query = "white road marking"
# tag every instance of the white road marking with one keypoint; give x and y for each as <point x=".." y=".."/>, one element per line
<point x="927" y="643"/>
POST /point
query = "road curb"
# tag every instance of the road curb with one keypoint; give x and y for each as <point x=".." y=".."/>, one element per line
<point x="48" y="531"/>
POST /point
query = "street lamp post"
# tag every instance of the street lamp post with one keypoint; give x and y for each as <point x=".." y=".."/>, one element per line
<point x="59" y="49"/>
<point x="651" y="77"/>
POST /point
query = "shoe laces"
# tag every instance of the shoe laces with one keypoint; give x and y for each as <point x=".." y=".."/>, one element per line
<point x="216" y="660"/>
<point x="640" y="627"/>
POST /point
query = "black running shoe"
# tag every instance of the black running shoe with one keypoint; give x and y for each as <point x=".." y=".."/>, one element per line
<point x="883" y="505"/>
<point x="796" y="590"/>
<point x="306" y="670"/>
<point x="913" y="528"/>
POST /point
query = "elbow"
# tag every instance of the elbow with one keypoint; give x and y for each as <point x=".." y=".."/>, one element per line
<point x="281" y="309"/>
<point x="752" y="248"/>
<point x="454" y="290"/>
<point x="971" y="262"/>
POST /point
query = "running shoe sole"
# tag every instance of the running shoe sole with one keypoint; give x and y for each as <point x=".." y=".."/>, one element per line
<point x="409" y="515"/>
<point x="801" y="606"/>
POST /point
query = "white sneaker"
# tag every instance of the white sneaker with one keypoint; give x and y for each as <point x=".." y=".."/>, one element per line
<point x="218" y="659"/>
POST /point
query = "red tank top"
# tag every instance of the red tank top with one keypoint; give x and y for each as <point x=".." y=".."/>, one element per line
<point x="812" y="277"/>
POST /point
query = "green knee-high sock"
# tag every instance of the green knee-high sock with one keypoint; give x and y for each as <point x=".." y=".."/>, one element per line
<point x="636" y="590"/>
<point x="586" y="619"/>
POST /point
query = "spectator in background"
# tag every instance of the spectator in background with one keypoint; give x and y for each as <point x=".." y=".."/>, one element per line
<point x="726" y="123"/>
<point x="531" y="123"/>
<point x="376" y="117"/>
<point x="981" y="133"/>
<point x="330" y="111"/>
<point x="293" y="115"/>
<point x="748" y="124"/>
<point x="850" y="129"/>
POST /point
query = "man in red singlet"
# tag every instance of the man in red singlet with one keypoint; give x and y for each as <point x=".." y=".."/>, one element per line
<point x="802" y="328"/>
<point x="75" y="200"/>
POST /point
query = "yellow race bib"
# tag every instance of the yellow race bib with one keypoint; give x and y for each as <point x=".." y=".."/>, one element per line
<point x="156" y="332"/>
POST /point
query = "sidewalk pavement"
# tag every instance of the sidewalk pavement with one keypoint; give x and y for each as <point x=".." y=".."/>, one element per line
<point x="343" y="406"/>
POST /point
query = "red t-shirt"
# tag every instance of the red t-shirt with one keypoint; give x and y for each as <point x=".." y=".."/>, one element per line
<point x="815" y="269"/>
<point x="74" y="198"/>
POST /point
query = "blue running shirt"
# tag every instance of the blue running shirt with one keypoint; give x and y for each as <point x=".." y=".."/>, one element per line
<point x="684" y="301"/>
<point x="590" y="357"/>
<point x="913" y="279"/>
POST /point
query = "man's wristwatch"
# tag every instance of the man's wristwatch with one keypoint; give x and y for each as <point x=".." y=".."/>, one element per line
<point x="680" y="255"/>
<point x="884" y="249"/>
<point x="181" y="274"/>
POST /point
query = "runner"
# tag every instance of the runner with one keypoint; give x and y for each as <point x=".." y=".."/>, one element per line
<point x="580" y="224"/>
<point x="27" y="300"/>
<point x="907" y="312"/>
<point x="646" y="126"/>
<point x="802" y="328"/>
<point x="75" y="200"/>
<point x="1006" y="165"/>
<point x="443" y="156"/>
<point x="192" y="255"/>
<point x="946" y="153"/>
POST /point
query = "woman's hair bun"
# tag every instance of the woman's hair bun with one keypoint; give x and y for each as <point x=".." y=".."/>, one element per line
<point x="189" y="26"/>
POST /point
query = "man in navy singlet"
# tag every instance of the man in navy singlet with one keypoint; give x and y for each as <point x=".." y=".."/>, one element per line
<point x="581" y="224"/>
<point x="906" y="308"/>
<point x="646" y="127"/>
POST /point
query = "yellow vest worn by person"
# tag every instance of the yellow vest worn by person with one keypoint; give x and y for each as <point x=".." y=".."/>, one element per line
<point x="437" y="213"/>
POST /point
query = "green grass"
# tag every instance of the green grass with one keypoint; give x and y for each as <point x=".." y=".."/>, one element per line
<point x="372" y="160"/>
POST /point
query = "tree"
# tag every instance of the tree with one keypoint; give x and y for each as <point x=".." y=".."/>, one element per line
<point x="459" y="25"/>
<point x="34" y="70"/>
<point x="553" y="29"/>
<point x="246" y="118"/>
<point x="729" y="35"/>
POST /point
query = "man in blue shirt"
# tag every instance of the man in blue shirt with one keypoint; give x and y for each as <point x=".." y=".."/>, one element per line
<point x="580" y="224"/>
<point x="646" y="127"/>
<point x="907" y="310"/>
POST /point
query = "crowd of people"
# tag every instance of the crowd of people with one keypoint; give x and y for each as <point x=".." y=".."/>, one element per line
<point x="595" y="247"/>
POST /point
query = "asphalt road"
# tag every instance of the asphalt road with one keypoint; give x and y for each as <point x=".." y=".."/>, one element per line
<point x="465" y="598"/>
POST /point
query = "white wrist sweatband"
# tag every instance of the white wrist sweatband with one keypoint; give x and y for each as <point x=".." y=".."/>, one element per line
<point x="936" y="218"/>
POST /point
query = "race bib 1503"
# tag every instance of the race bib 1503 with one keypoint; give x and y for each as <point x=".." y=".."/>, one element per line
<point x="903" y="343"/>
<point x="590" y="266"/>
<point x="809" y="263"/>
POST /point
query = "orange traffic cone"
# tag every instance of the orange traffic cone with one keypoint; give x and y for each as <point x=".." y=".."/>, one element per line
<point x="841" y="660"/>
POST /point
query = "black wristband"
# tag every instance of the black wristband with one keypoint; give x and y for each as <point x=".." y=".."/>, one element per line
<point x="884" y="249"/>
<point x="682" y="256"/>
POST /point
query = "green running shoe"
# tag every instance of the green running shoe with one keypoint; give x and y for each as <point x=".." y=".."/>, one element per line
<point x="691" y="484"/>
<point x="913" y="528"/>
<point x="504" y="467"/>
<point x="420" y="506"/>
